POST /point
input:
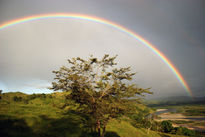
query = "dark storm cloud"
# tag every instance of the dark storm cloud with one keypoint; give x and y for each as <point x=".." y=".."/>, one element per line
<point x="175" y="27"/>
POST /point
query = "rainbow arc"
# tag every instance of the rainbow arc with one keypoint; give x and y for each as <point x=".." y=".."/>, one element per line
<point x="108" y="23"/>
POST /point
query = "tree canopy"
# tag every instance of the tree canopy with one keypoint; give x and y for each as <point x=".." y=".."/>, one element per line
<point x="100" y="88"/>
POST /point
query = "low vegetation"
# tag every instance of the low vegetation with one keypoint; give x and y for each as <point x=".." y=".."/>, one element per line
<point x="46" y="115"/>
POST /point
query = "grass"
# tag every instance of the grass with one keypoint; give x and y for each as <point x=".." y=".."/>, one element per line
<point x="125" y="129"/>
<point x="46" y="116"/>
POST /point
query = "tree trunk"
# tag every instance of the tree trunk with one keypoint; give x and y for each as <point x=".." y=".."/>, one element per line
<point x="95" y="129"/>
<point x="98" y="127"/>
<point x="148" y="129"/>
<point x="103" y="132"/>
<point x="92" y="129"/>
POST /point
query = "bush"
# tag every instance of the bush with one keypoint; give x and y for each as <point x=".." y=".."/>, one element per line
<point x="26" y="101"/>
<point x="42" y="95"/>
<point x="156" y="126"/>
<point x="50" y="96"/>
<point x="184" y="131"/>
<point x="138" y="120"/>
<point x="17" y="99"/>
<point x="33" y="96"/>
<point x="166" y="126"/>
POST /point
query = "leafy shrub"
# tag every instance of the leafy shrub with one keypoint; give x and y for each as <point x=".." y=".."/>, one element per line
<point x="42" y="95"/>
<point x="33" y="96"/>
<point x="156" y="126"/>
<point x="166" y="126"/>
<point x="17" y="99"/>
<point x="50" y="96"/>
<point x="184" y="131"/>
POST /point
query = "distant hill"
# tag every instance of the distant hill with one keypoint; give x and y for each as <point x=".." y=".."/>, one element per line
<point x="175" y="100"/>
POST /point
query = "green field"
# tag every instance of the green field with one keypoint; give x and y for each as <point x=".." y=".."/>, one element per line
<point x="46" y="115"/>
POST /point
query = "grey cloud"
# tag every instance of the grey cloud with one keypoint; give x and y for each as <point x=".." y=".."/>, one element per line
<point x="175" y="27"/>
<point x="34" y="49"/>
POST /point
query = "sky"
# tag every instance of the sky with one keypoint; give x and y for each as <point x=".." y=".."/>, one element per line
<point x="30" y="51"/>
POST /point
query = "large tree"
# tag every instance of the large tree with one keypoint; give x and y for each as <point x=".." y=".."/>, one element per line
<point x="99" y="88"/>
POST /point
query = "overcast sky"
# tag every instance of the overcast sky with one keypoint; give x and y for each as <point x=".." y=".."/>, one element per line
<point x="30" y="51"/>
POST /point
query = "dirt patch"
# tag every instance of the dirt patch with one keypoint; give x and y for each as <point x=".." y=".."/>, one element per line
<point x="169" y="116"/>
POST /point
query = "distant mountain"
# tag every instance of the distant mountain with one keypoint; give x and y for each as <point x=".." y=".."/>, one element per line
<point x="179" y="98"/>
<point x="175" y="100"/>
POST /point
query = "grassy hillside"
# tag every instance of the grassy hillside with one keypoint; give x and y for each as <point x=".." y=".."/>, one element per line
<point x="47" y="115"/>
<point x="125" y="129"/>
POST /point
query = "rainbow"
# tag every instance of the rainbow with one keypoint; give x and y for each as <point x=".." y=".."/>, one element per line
<point x="108" y="23"/>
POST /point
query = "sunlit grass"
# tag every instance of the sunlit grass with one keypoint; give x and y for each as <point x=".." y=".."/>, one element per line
<point x="47" y="117"/>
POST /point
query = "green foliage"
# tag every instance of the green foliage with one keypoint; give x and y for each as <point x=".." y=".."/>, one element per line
<point x="144" y="119"/>
<point x="139" y="119"/>
<point x="17" y="99"/>
<point x="184" y="131"/>
<point x="33" y="96"/>
<point x="99" y="88"/>
<point x="166" y="126"/>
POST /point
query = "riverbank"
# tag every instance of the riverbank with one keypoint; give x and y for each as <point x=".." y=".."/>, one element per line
<point x="178" y="119"/>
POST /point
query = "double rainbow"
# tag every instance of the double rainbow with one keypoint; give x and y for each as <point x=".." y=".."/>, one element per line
<point x="108" y="23"/>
